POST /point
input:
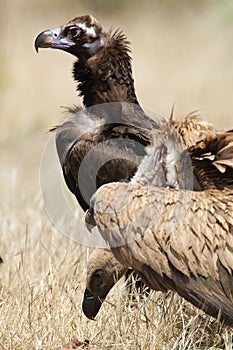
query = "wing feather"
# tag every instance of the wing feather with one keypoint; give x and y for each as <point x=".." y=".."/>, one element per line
<point x="189" y="254"/>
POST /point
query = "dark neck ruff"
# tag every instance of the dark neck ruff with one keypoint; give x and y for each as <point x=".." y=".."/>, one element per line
<point x="110" y="69"/>
<point x="86" y="84"/>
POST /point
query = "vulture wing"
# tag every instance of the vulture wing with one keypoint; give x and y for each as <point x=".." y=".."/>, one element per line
<point x="193" y="128"/>
<point x="93" y="152"/>
<point x="178" y="240"/>
<point x="212" y="160"/>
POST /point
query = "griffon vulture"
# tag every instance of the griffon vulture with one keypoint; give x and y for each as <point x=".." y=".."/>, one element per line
<point x="176" y="239"/>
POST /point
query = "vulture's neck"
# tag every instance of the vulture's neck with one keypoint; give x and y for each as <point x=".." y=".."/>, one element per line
<point x="107" y="76"/>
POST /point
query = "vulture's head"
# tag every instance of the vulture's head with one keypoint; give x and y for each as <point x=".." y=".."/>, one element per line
<point x="103" y="271"/>
<point x="82" y="37"/>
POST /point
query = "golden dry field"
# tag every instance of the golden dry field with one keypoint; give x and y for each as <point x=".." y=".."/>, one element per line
<point x="182" y="53"/>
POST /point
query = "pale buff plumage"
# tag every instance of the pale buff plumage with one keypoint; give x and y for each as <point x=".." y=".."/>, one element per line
<point x="179" y="240"/>
<point x="214" y="147"/>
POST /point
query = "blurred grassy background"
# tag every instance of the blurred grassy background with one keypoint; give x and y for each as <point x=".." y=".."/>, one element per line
<point x="182" y="52"/>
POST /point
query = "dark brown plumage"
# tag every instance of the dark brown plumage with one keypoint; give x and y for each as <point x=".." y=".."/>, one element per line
<point x="89" y="140"/>
<point x="103" y="72"/>
<point x="175" y="239"/>
<point x="212" y="160"/>
<point x="89" y="153"/>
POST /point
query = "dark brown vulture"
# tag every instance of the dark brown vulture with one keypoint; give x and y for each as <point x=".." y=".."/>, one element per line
<point x="90" y="138"/>
<point x="175" y="239"/>
<point x="103" y="73"/>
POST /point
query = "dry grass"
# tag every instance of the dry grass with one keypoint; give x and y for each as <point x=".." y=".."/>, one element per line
<point x="43" y="276"/>
<point x="42" y="284"/>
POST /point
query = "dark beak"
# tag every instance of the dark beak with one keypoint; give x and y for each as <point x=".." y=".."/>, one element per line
<point x="54" y="39"/>
<point x="91" y="304"/>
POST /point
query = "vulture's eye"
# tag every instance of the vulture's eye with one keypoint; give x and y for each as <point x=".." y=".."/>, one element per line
<point x="98" y="274"/>
<point x="75" y="32"/>
<point x="98" y="278"/>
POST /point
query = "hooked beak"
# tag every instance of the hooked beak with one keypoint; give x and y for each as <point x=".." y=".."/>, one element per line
<point x="91" y="304"/>
<point x="54" y="39"/>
